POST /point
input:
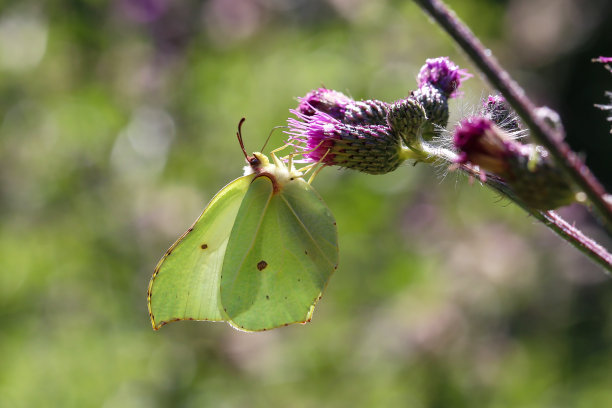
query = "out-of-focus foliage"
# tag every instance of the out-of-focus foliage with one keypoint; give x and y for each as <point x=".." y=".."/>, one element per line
<point x="117" y="123"/>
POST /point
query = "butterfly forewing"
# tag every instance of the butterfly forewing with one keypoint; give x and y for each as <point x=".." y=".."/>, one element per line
<point x="280" y="255"/>
<point x="185" y="284"/>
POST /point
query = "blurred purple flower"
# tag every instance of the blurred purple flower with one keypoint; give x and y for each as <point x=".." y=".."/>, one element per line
<point x="603" y="60"/>
<point x="143" y="11"/>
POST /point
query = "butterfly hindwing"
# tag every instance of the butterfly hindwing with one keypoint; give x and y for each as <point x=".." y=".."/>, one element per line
<point x="281" y="253"/>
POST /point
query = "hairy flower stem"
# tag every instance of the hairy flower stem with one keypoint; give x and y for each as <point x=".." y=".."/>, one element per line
<point x="575" y="237"/>
<point x="550" y="138"/>
<point x="551" y="219"/>
<point x="589" y="247"/>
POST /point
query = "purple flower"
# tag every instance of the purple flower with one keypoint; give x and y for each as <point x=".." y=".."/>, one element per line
<point x="142" y="11"/>
<point x="526" y="168"/>
<point x="442" y="73"/>
<point x="314" y="134"/>
<point x="372" y="149"/>
<point x="480" y="142"/>
<point x="603" y="60"/>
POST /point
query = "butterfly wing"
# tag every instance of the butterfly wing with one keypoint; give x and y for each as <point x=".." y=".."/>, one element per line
<point x="185" y="284"/>
<point x="281" y="253"/>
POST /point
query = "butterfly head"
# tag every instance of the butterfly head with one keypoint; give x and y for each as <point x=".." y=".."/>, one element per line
<point x="257" y="163"/>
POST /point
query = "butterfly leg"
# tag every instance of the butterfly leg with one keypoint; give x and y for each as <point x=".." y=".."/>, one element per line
<point x="315" y="173"/>
<point x="305" y="170"/>
<point x="290" y="156"/>
<point x="279" y="162"/>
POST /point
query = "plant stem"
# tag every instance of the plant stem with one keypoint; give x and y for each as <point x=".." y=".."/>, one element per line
<point x="551" y="219"/>
<point x="559" y="226"/>
<point x="551" y="139"/>
<point x="575" y="237"/>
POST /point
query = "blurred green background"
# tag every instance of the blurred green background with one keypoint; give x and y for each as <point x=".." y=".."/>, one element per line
<point x="117" y="126"/>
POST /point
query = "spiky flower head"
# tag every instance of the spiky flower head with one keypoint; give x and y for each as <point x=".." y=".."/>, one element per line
<point x="372" y="149"/>
<point x="442" y="73"/>
<point x="497" y="109"/>
<point x="435" y="103"/>
<point x="406" y="118"/>
<point x="526" y="168"/>
<point x="366" y="112"/>
<point x="341" y="107"/>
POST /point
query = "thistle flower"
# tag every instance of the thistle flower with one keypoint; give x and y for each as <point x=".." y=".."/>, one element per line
<point x="444" y="74"/>
<point x="495" y="108"/>
<point x="345" y="109"/>
<point x="366" y="112"/>
<point x="526" y="168"/>
<point x="479" y="142"/>
<point x="373" y="149"/>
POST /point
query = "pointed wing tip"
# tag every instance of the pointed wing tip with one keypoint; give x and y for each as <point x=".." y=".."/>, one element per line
<point x="157" y="326"/>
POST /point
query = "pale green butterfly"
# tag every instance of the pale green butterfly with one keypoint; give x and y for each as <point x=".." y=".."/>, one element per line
<point x="258" y="257"/>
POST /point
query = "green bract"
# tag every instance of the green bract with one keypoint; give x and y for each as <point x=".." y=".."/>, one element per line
<point x="258" y="257"/>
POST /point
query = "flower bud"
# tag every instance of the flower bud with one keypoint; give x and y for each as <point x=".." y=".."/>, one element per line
<point x="406" y="117"/>
<point x="366" y="112"/>
<point x="325" y="100"/>
<point x="527" y="169"/>
<point x="499" y="112"/>
<point x="481" y="143"/>
<point x="372" y="149"/>
<point x="341" y="107"/>
<point x="543" y="186"/>
<point x="435" y="104"/>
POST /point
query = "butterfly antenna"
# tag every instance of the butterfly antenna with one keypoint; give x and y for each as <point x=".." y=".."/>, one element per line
<point x="270" y="135"/>
<point x="239" y="135"/>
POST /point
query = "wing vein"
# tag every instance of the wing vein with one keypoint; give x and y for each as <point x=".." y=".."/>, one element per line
<point x="316" y="244"/>
<point x="256" y="233"/>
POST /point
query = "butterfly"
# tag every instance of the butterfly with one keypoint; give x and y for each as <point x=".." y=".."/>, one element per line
<point x="258" y="257"/>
